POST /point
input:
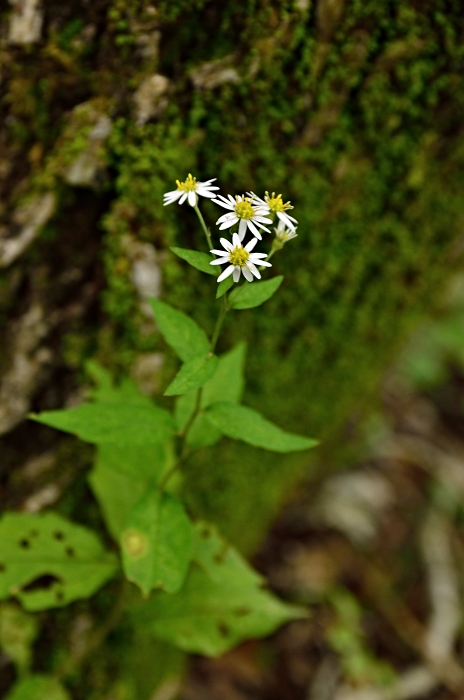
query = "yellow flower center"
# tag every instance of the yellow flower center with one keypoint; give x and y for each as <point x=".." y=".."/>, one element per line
<point x="239" y="256"/>
<point x="244" y="210"/>
<point x="190" y="184"/>
<point x="275" y="202"/>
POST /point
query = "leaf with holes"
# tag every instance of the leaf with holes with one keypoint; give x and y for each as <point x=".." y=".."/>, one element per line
<point x="38" y="687"/>
<point x="47" y="562"/>
<point x="221" y="603"/>
<point x="201" y="261"/>
<point x="180" y="331"/>
<point x="242" y="423"/>
<point x="157" y="543"/>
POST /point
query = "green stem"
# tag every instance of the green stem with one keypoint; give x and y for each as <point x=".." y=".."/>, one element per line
<point x="204" y="227"/>
<point x="219" y="322"/>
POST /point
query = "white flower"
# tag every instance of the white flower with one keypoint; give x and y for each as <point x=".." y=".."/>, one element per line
<point x="190" y="189"/>
<point x="241" y="259"/>
<point x="242" y="209"/>
<point x="277" y="206"/>
<point x="283" y="233"/>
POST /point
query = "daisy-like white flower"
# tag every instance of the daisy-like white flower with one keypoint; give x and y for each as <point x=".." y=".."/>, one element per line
<point x="190" y="190"/>
<point x="277" y="206"/>
<point x="243" y="210"/>
<point x="240" y="259"/>
<point x="283" y="233"/>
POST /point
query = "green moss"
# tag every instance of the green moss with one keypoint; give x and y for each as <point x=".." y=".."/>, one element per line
<point x="355" y="115"/>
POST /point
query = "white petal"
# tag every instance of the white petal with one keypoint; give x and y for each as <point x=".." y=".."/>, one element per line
<point x="227" y="217"/>
<point x="264" y="263"/>
<point x="236" y="240"/>
<point x="204" y="193"/>
<point x="183" y="198"/>
<point x="242" y="229"/>
<point x="254" y="270"/>
<point x="228" y="271"/>
<point x="192" y="198"/>
<point x="218" y="252"/>
<point x="247" y="274"/>
<point x="236" y="274"/>
<point x="254" y="230"/>
<point x="227" y="244"/>
<point x="249" y="246"/>
<point x="226" y="224"/>
<point x="257" y="256"/>
<point x="206" y="182"/>
<point x="226" y="205"/>
<point x="286" y="220"/>
<point x="220" y="261"/>
<point x="263" y="219"/>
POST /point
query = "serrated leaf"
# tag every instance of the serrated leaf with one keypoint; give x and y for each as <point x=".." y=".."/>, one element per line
<point x="221" y="604"/>
<point x="201" y="261"/>
<point x="180" y="331"/>
<point x="38" y="687"/>
<point x="47" y="561"/>
<point x="157" y="543"/>
<point x="228" y="382"/>
<point x="242" y="423"/>
<point x="224" y="286"/>
<point x="253" y="294"/>
<point x="121" y="477"/>
<point x="118" y="422"/>
<point x="193" y="374"/>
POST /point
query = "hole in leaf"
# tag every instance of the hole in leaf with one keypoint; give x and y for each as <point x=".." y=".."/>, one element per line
<point x="25" y="544"/>
<point x="223" y="629"/>
<point x="2" y="567"/>
<point x="220" y="556"/>
<point x="70" y="552"/>
<point x="242" y="612"/>
<point x="43" y="583"/>
<point x="58" y="535"/>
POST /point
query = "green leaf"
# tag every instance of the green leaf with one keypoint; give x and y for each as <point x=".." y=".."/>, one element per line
<point x="123" y="423"/>
<point x="242" y="423"/>
<point x="47" y="562"/>
<point x="202" y="433"/>
<point x="185" y="337"/>
<point x="222" y="602"/>
<point x="253" y="294"/>
<point x="18" y="631"/>
<point x="38" y="687"/>
<point x="224" y="286"/>
<point x="202" y="261"/>
<point x="157" y="543"/>
<point x="228" y="382"/>
<point x="121" y="477"/>
<point x="193" y="374"/>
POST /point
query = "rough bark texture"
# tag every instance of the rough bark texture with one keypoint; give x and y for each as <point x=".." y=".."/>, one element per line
<point x="352" y="109"/>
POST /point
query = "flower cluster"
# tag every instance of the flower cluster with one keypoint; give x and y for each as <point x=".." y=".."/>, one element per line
<point x="249" y="213"/>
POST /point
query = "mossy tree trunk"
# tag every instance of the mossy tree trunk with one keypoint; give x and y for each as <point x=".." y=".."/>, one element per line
<point x="353" y="110"/>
